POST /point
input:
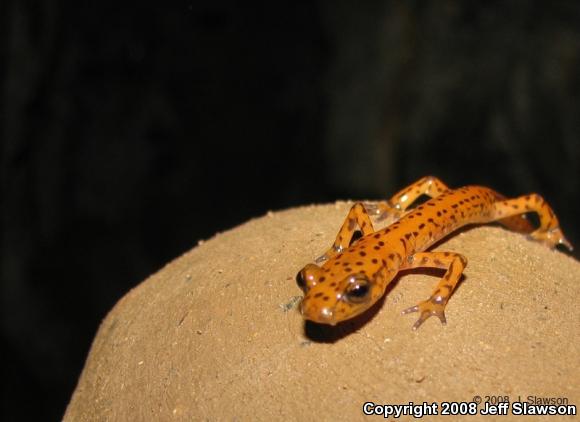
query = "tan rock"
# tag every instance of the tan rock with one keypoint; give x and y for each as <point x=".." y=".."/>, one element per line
<point x="216" y="335"/>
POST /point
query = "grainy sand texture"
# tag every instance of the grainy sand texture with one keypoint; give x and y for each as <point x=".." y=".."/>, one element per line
<point x="216" y="335"/>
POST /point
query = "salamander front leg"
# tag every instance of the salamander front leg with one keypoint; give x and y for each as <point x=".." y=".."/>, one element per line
<point x="435" y="305"/>
<point x="396" y="207"/>
<point x="357" y="216"/>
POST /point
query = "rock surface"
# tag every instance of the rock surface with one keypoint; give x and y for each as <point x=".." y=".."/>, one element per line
<point x="216" y="334"/>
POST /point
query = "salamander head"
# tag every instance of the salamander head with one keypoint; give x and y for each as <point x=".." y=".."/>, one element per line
<point x="329" y="300"/>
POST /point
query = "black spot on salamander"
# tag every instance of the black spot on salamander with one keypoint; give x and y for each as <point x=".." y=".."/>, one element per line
<point x="391" y="256"/>
<point x="318" y="294"/>
<point x="359" y="264"/>
<point x="374" y="260"/>
<point x="381" y="243"/>
<point x="325" y="298"/>
<point x="321" y="280"/>
<point x="438" y="213"/>
<point x="421" y="226"/>
<point x="376" y="236"/>
<point x="408" y="236"/>
<point x="452" y="267"/>
<point x="376" y="247"/>
<point x="333" y="284"/>
<point x="362" y="253"/>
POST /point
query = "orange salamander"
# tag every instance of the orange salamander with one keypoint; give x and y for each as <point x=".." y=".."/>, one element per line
<point x="354" y="276"/>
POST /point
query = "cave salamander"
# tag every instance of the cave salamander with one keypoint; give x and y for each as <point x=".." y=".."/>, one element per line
<point x="354" y="276"/>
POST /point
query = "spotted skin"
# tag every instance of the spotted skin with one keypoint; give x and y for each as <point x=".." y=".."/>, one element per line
<point x="351" y="278"/>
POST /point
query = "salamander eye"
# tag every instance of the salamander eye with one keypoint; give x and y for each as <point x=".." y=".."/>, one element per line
<point x="301" y="281"/>
<point x="358" y="289"/>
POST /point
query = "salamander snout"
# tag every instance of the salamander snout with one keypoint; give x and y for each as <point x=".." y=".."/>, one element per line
<point x="330" y="303"/>
<point x="321" y="315"/>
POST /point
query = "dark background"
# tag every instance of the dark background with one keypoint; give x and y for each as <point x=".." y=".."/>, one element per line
<point x="131" y="131"/>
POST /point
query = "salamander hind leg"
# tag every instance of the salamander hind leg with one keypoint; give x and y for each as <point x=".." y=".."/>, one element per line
<point x="357" y="216"/>
<point x="549" y="233"/>
<point x="395" y="208"/>
<point x="435" y="305"/>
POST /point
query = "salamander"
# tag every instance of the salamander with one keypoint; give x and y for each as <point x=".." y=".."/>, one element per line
<point x="352" y="277"/>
